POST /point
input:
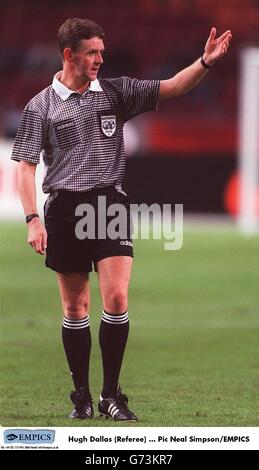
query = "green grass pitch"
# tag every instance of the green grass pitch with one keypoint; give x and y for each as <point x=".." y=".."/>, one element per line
<point x="192" y="354"/>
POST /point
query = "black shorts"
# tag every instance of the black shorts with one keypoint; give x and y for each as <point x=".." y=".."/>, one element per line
<point x="66" y="252"/>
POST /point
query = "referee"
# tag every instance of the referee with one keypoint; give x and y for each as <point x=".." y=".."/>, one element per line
<point x="76" y="124"/>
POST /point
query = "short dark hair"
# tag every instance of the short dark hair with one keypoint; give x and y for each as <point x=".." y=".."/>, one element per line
<point x="73" y="30"/>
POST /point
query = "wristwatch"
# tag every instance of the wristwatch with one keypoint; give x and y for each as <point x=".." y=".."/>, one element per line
<point x="29" y="217"/>
<point x="204" y="64"/>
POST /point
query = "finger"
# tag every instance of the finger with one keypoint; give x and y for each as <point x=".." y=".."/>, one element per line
<point x="229" y="37"/>
<point x="44" y="245"/>
<point x="35" y="244"/>
<point x="38" y="248"/>
<point x="38" y="245"/>
<point x="224" y="49"/>
<point x="225" y="44"/>
<point x="45" y="238"/>
<point x="213" y="33"/>
<point x="32" y="243"/>
<point x="225" y="35"/>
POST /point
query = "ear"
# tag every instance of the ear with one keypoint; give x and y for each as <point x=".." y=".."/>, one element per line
<point x="67" y="55"/>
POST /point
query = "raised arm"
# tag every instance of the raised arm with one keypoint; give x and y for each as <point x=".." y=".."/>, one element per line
<point x="37" y="235"/>
<point x="184" y="81"/>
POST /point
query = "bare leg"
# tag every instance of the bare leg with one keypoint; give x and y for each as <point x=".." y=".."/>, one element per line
<point x="75" y="294"/>
<point x="114" y="278"/>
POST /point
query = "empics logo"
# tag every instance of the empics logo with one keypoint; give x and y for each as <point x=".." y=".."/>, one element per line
<point x="29" y="436"/>
<point x="11" y="437"/>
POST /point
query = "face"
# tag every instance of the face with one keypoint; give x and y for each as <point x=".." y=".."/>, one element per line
<point x="88" y="59"/>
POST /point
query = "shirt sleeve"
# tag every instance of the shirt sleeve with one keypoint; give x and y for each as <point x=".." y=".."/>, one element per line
<point x="139" y="96"/>
<point x="29" y="140"/>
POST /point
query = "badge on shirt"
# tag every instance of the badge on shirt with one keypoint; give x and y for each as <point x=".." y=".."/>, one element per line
<point x="108" y="125"/>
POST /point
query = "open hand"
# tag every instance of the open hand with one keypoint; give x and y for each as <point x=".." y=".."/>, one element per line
<point x="216" y="48"/>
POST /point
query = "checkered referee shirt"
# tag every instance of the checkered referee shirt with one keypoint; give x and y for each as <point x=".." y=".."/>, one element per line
<point x="81" y="135"/>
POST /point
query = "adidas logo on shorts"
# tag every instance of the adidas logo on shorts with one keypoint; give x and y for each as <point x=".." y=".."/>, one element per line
<point x="126" y="242"/>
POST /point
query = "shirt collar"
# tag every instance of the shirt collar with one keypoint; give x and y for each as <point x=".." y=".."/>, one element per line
<point x="65" y="92"/>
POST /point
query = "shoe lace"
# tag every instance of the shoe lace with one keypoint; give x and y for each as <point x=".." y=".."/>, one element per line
<point x="122" y="399"/>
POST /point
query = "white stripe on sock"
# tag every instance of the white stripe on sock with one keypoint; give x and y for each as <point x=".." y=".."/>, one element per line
<point x="76" y="324"/>
<point x="115" y="319"/>
<point x="115" y="323"/>
<point x="69" y="320"/>
<point x="73" y="325"/>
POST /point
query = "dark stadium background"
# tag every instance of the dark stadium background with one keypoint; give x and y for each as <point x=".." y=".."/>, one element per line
<point x="187" y="151"/>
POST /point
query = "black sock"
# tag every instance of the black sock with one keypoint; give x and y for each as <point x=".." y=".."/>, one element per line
<point x="77" y="344"/>
<point x="113" y="337"/>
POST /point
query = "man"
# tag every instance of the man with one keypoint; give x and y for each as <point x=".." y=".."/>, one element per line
<point x="77" y="123"/>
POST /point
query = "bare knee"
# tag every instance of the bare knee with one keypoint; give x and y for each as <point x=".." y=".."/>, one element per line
<point x="76" y="310"/>
<point x="116" y="302"/>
